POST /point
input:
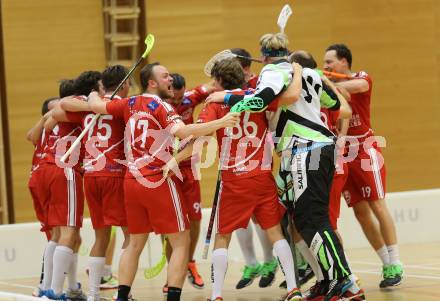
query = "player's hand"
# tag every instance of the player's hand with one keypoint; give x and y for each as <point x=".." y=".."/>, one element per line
<point x="167" y="169"/>
<point x="297" y="68"/>
<point x="230" y="119"/>
<point x="216" y="97"/>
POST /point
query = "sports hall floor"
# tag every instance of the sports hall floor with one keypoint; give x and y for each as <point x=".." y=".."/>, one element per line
<point x="421" y="279"/>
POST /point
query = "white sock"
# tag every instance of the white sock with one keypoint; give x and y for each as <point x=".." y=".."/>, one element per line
<point x="96" y="268"/>
<point x="246" y="242"/>
<point x="393" y="252"/>
<point x="48" y="265"/>
<point x="383" y="255"/>
<point x="310" y="258"/>
<point x="219" y="266"/>
<point x="284" y="253"/>
<point x="108" y="270"/>
<point x="265" y="243"/>
<point x="71" y="276"/>
<point x="62" y="259"/>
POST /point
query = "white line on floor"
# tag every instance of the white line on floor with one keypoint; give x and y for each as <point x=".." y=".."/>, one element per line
<point x="404" y="275"/>
<point x="16" y="285"/>
<point x="411" y="266"/>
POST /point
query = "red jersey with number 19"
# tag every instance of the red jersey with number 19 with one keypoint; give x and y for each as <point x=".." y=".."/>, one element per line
<point x="242" y="148"/>
<point x="149" y="121"/>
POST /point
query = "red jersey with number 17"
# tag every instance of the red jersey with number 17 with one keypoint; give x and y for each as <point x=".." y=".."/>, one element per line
<point x="360" y="124"/>
<point x="149" y="121"/>
<point x="244" y="150"/>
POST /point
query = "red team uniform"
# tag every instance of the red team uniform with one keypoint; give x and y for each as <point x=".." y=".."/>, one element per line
<point x="61" y="188"/>
<point x="189" y="185"/>
<point x="152" y="204"/>
<point x="247" y="185"/>
<point x="330" y="118"/>
<point x="40" y="205"/>
<point x="103" y="171"/>
<point x="367" y="171"/>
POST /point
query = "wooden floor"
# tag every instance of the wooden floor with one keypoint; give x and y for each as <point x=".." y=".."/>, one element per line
<point x="421" y="280"/>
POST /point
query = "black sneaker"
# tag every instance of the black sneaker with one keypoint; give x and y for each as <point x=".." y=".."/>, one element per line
<point x="249" y="274"/>
<point x="317" y="291"/>
<point x="305" y="275"/>
<point x="267" y="273"/>
<point x="337" y="288"/>
<point x="392" y="275"/>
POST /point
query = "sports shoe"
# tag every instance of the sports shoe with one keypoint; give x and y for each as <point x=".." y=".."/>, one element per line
<point x="38" y="292"/>
<point x="392" y="275"/>
<point x="305" y="275"/>
<point x="337" y="288"/>
<point x="317" y="292"/>
<point x="50" y="294"/>
<point x="293" y="295"/>
<point x="165" y="289"/>
<point x="267" y="273"/>
<point x="216" y="299"/>
<point x="76" y="294"/>
<point x="108" y="282"/>
<point x="193" y="275"/>
<point x="249" y="274"/>
<point x="359" y="296"/>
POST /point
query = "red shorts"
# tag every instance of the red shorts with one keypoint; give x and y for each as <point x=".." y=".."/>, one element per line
<point x="334" y="207"/>
<point x="191" y="194"/>
<point x="40" y="204"/>
<point x="105" y="197"/>
<point x="154" y="209"/>
<point x="62" y="189"/>
<point x="366" y="179"/>
<point x="240" y="199"/>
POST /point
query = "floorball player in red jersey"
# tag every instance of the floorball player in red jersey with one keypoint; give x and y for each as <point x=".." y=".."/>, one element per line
<point x="153" y="203"/>
<point x="246" y="170"/>
<point x="184" y="102"/>
<point x="63" y="187"/>
<point x="103" y="171"/>
<point x="36" y="135"/>
<point x="365" y="186"/>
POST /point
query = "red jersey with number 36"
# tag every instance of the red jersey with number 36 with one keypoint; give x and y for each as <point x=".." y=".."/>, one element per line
<point x="360" y="124"/>
<point x="245" y="150"/>
<point x="149" y="121"/>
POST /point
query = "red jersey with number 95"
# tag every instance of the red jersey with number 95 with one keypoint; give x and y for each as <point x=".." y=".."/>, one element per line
<point x="149" y="142"/>
<point x="245" y="150"/>
<point x="104" y="143"/>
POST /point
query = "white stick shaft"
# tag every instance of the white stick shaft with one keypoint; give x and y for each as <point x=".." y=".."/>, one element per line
<point x="78" y="140"/>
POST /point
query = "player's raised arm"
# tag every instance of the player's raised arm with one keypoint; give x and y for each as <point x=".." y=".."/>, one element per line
<point x="96" y="104"/>
<point x="183" y="131"/>
<point x="358" y="85"/>
<point x="293" y="92"/>
<point x="71" y="104"/>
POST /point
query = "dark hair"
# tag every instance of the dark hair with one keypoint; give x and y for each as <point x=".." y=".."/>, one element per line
<point x="45" y="107"/>
<point x="242" y="52"/>
<point x="342" y="51"/>
<point x="146" y="74"/>
<point x="86" y="82"/>
<point x="178" y="81"/>
<point x="112" y="76"/>
<point x="229" y="73"/>
<point x="304" y="58"/>
<point x="67" y="88"/>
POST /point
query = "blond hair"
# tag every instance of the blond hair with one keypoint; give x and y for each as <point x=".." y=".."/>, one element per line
<point x="274" y="41"/>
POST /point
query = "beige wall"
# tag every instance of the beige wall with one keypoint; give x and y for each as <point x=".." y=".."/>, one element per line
<point x="396" y="41"/>
<point x="45" y="41"/>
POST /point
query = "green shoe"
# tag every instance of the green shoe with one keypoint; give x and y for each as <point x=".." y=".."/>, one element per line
<point x="268" y="271"/>
<point x="249" y="274"/>
<point x="108" y="282"/>
<point x="392" y="275"/>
